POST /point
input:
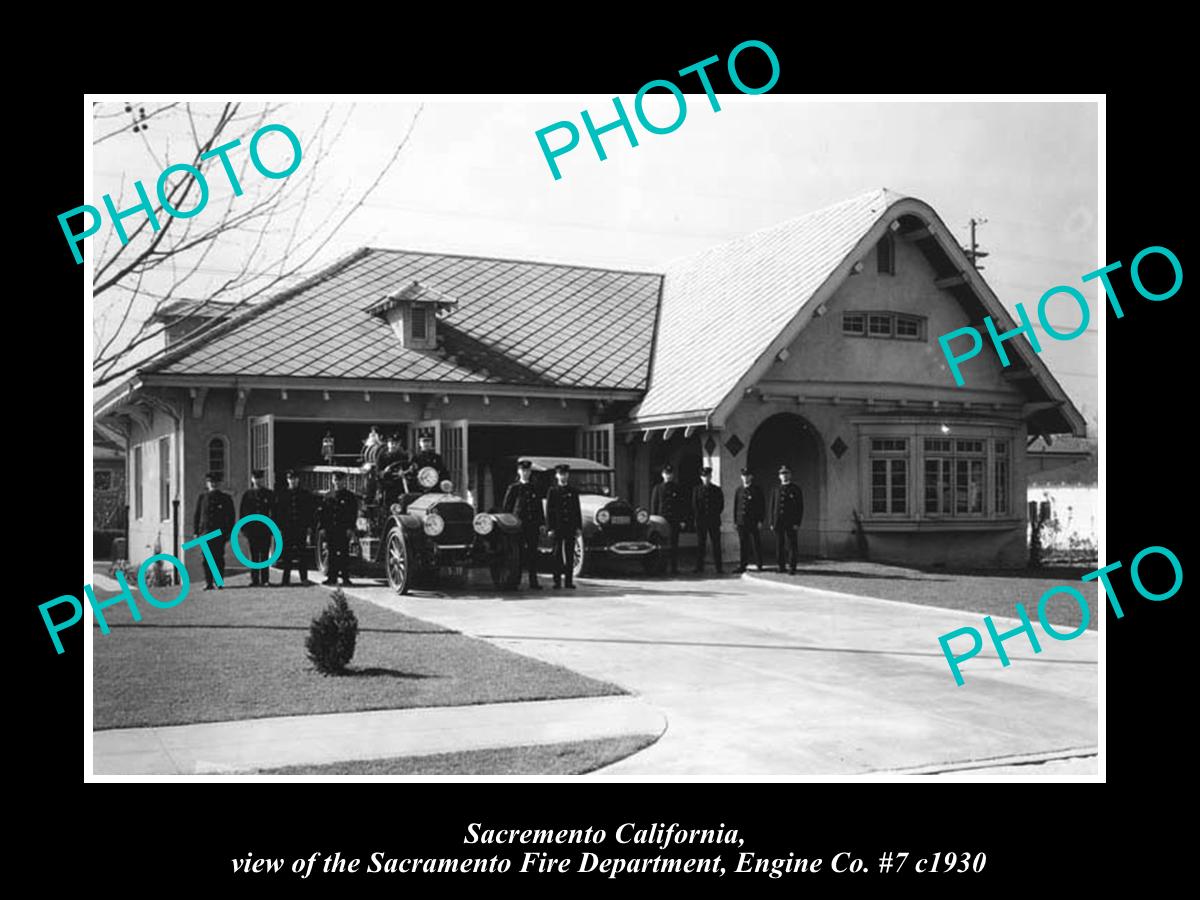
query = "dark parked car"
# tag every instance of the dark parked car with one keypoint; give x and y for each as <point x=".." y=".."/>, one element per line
<point x="613" y="528"/>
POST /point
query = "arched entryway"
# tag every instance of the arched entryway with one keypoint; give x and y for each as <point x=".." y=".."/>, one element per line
<point x="791" y="439"/>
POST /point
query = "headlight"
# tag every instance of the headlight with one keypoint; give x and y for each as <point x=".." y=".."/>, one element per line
<point x="434" y="524"/>
<point x="397" y="509"/>
<point x="483" y="524"/>
<point x="362" y="524"/>
<point x="603" y="516"/>
<point x="428" y="477"/>
<point x="447" y="486"/>
<point x="643" y="516"/>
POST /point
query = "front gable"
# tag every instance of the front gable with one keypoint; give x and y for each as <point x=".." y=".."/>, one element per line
<point x="882" y="324"/>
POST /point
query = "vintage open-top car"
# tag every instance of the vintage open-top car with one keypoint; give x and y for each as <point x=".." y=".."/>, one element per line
<point x="613" y="528"/>
<point x="413" y="527"/>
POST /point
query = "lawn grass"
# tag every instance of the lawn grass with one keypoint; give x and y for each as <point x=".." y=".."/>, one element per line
<point x="572" y="758"/>
<point x="991" y="592"/>
<point x="239" y="653"/>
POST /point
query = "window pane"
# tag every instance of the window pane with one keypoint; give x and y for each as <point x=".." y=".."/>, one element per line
<point x="216" y="457"/>
<point x="976" y="490"/>
<point x="880" y="325"/>
<point x="933" y="470"/>
<point x="1001" y="481"/>
<point x="879" y="485"/>
<point x="854" y="323"/>
<point x="961" y="485"/>
<point x="937" y="445"/>
<point x="970" y="446"/>
<point x="899" y="485"/>
<point x="885" y="255"/>
<point x="889" y="445"/>
<point x="164" y="478"/>
<point x="418" y="324"/>
<point x="907" y="326"/>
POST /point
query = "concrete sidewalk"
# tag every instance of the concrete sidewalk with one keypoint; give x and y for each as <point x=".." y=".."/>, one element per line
<point x="757" y="678"/>
<point x="251" y="744"/>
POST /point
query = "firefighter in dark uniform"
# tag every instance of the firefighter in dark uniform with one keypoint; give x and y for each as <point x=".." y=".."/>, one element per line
<point x="427" y="456"/>
<point x="522" y="500"/>
<point x="391" y="454"/>
<point x="261" y="500"/>
<point x="787" y="510"/>
<point x="749" y="510"/>
<point x="669" y="500"/>
<point x="294" y="514"/>
<point x="214" y="511"/>
<point x="339" y="512"/>
<point x="564" y="522"/>
<point x="708" y="502"/>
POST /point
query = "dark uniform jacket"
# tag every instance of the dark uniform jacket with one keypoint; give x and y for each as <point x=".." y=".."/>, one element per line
<point x="293" y="510"/>
<point x="669" y="500"/>
<point x="708" y="502"/>
<point x="430" y="458"/>
<point x="262" y="502"/>
<point x="340" y="509"/>
<point x="387" y="457"/>
<point x="787" y="505"/>
<point x="563" y="514"/>
<point x="522" y="501"/>
<point x="214" y="510"/>
<point x="749" y="505"/>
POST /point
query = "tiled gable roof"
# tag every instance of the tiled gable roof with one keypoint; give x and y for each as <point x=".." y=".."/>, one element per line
<point x="723" y="307"/>
<point x="524" y="323"/>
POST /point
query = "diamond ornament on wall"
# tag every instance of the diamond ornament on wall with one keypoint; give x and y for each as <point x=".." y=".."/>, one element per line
<point x="734" y="445"/>
<point x="710" y="445"/>
<point x="838" y="447"/>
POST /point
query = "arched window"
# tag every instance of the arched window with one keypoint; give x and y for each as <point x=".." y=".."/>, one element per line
<point x="218" y="456"/>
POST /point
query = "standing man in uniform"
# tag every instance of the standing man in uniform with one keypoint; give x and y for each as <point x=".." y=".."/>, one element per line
<point x="427" y="456"/>
<point x="749" y="510"/>
<point x="564" y="523"/>
<point x="669" y="500"/>
<point x="521" y="499"/>
<point x="339" y="512"/>
<point x="293" y="515"/>
<point x="258" y="499"/>
<point x="787" y="509"/>
<point x="708" y="502"/>
<point x="214" y="511"/>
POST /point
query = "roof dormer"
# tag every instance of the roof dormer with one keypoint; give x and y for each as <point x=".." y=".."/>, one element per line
<point x="412" y="313"/>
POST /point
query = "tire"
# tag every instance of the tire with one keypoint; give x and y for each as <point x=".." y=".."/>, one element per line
<point x="652" y="563"/>
<point x="398" y="561"/>
<point x="506" y="564"/>
<point x="321" y="552"/>
<point x="581" y="559"/>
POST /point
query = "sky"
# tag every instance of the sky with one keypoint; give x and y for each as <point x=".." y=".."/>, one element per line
<point x="472" y="180"/>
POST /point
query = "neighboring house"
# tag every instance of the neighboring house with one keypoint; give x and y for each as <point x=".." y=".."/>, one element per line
<point x="1063" y="474"/>
<point x="813" y="342"/>
<point x="108" y="486"/>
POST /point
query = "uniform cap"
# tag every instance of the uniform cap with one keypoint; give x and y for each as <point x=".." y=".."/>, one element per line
<point x="257" y="473"/>
<point x="337" y="475"/>
<point x="668" y="469"/>
<point x="394" y="436"/>
<point x="747" y="472"/>
<point x="784" y="470"/>
<point x="524" y="464"/>
<point x="562" y="467"/>
<point x="707" y="470"/>
<point x="426" y="437"/>
<point x="292" y="473"/>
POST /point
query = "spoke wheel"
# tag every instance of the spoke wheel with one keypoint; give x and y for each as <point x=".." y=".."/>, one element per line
<point x="580" y="561"/>
<point x="398" y="563"/>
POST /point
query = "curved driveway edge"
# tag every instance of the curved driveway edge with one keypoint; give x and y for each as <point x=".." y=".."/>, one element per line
<point x="250" y="744"/>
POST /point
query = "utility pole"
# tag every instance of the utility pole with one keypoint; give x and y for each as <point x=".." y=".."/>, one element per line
<point x="974" y="254"/>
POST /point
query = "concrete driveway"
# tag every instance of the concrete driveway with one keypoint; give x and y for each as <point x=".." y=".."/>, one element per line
<point x="763" y="679"/>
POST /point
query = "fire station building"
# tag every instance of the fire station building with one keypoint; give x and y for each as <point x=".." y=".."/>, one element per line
<point x="812" y="343"/>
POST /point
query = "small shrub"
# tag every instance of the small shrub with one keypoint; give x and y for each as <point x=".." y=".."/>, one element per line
<point x="331" y="638"/>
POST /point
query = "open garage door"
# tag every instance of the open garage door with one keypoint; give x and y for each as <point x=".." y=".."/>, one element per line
<point x="595" y="442"/>
<point x="261" y="444"/>
<point x="453" y="447"/>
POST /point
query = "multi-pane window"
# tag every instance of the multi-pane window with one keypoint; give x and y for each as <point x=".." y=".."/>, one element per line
<point x="883" y="325"/>
<point x="889" y="476"/>
<point x="1000" y="477"/>
<point x="137" y="482"/>
<point x="217" y="457"/>
<point x="164" y="478"/>
<point x="954" y="476"/>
